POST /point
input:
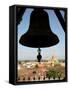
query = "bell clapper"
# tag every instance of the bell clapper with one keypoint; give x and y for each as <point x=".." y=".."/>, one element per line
<point x="39" y="55"/>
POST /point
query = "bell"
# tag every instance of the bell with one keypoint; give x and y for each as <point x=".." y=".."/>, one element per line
<point x="39" y="34"/>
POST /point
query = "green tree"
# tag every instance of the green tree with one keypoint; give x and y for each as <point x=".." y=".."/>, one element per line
<point x="52" y="74"/>
<point x="59" y="75"/>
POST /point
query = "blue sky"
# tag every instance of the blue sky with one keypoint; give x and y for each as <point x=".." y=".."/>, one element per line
<point x="26" y="53"/>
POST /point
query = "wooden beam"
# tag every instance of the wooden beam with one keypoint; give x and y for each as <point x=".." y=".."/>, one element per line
<point x="19" y="12"/>
<point x="61" y="20"/>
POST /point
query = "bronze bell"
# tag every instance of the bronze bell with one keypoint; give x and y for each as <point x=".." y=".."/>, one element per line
<point x="39" y="34"/>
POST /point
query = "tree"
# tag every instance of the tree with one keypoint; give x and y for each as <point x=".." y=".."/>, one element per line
<point x="52" y="74"/>
<point x="59" y="75"/>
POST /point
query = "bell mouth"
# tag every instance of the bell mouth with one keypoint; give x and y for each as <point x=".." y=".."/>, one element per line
<point x="40" y="41"/>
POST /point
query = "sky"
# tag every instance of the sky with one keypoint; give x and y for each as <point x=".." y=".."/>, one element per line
<point x="27" y="53"/>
